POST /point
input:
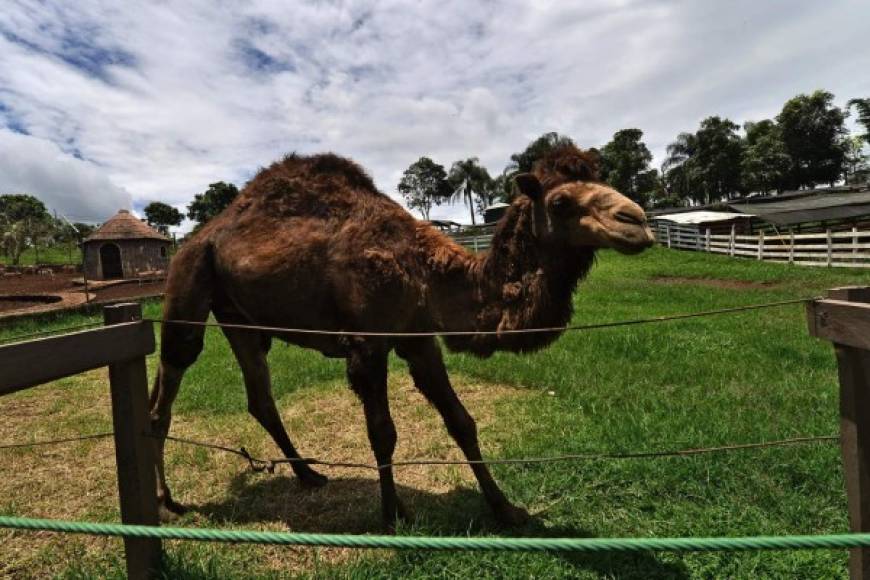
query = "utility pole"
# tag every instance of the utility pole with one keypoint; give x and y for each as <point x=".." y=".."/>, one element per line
<point x="82" y="246"/>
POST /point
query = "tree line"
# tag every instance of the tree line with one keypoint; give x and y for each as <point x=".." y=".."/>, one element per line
<point x="26" y="223"/>
<point x="805" y="145"/>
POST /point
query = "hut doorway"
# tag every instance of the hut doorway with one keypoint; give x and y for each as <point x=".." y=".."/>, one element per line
<point x="110" y="258"/>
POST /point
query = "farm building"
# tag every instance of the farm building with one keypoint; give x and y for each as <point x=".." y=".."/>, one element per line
<point x="702" y="220"/>
<point x="125" y="247"/>
<point x="810" y="210"/>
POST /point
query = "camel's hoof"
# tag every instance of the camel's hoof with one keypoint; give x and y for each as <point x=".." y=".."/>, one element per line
<point x="169" y="510"/>
<point x="402" y="514"/>
<point x="310" y="478"/>
<point x="510" y="515"/>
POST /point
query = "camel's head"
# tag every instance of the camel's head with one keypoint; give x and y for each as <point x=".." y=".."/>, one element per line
<point x="579" y="209"/>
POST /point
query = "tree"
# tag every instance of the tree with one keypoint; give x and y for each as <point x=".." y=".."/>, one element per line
<point x="705" y="166"/>
<point x="623" y="160"/>
<point x="522" y="162"/>
<point x="492" y="193"/>
<point x="813" y="130"/>
<point x="162" y="215"/>
<point x="469" y="181"/>
<point x="680" y="170"/>
<point x="423" y="185"/>
<point x="863" y="106"/>
<point x="23" y="220"/>
<point x="20" y="207"/>
<point x="855" y="160"/>
<point x="720" y="152"/>
<point x="651" y="190"/>
<point x="765" y="160"/>
<point x="210" y="203"/>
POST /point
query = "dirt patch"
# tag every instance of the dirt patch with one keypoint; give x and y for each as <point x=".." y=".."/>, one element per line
<point x="18" y="302"/>
<point x="77" y="481"/>
<point x="131" y="290"/>
<point x="67" y="287"/>
<point x="728" y="284"/>
<point x="37" y="284"/>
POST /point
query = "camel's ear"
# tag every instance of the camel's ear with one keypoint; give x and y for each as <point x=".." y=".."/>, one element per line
<point x="528" y="184"/>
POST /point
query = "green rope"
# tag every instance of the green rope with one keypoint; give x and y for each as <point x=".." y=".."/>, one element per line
<point x="446" y="543"/>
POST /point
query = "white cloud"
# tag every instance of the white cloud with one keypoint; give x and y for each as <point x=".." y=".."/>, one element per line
<point x="70" y="186"/>
<point x="164" y="98"/>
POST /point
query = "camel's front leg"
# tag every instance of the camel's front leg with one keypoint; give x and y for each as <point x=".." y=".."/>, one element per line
<point x="430" y="377"/>
<point x="367" y="374"/>
<point x="165" y="390"/>
<point x="250" y="348"/>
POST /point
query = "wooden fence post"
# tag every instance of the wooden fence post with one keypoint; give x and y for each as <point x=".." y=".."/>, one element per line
<point x="732" y="241"/>
<point x="761" y="245"/>
<point x="854" y="372"/>
<point x="791" y="247"/>
<point x="854" y="239"/>
<point x="134" y="451"/>
<point x="828" y="234"/>
<point x="707" y="243"/>
<point x="668" y="231"/>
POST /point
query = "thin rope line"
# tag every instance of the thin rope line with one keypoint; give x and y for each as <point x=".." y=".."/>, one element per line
<point x="56" y="441"/>
<point x="260" y="464"/>
<point x="594" y="326"/>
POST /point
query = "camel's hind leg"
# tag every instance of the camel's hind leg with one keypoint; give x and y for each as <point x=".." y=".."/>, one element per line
<point x="250" y="348"/>
<point x="367" y="374"/>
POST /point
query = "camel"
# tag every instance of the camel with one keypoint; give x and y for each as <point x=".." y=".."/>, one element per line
<point x="310" y="243"/>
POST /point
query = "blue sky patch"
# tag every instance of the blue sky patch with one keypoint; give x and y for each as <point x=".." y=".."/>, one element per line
<point x="259" y="61"/>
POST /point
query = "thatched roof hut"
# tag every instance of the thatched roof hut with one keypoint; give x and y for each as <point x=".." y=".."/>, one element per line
<point x="125" y="247"/>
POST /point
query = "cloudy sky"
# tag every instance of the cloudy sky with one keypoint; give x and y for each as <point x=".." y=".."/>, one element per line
<point x="106" y="105"/>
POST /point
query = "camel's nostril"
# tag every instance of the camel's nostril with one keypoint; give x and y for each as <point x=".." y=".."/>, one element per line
<point x="628" y="218"/>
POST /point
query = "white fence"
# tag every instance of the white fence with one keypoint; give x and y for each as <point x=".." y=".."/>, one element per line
<point x="475" y="243"/>
<point x="850" y="248"/>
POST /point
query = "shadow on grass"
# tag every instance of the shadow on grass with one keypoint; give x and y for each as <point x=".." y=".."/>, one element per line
<point x="350" y="505"/>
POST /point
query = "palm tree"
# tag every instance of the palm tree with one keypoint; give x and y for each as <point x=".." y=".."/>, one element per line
<point x="470" y="181"/>
<point x="679" y="167"/>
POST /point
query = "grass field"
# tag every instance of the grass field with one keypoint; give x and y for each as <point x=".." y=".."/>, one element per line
<point x="733" y="378"/>
<point x="53" y="255"/>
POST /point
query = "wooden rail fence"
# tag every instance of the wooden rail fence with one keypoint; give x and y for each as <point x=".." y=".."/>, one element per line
<point x="850" y="248"/>
<point x="122" y="345"/>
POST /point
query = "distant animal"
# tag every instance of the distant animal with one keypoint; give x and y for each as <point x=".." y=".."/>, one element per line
<point x="311" y="243"/>
<point x="31" y="270"/>
<point x="45" y="272"/>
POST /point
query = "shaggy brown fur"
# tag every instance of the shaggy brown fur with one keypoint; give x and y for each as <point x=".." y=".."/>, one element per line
<point x="311" y="243"/>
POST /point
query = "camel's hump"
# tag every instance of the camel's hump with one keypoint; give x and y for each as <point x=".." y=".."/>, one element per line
<point x="323" y="171"/>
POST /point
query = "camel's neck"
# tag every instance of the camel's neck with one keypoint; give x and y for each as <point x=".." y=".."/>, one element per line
<point x="522" y="282"/>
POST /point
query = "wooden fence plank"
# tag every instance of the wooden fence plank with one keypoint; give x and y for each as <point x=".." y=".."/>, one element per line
<point x="853" y="364"/>
<point x="134" y="450"/>
<point x="847" y="323"/>
<point x="26" y="364"/>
